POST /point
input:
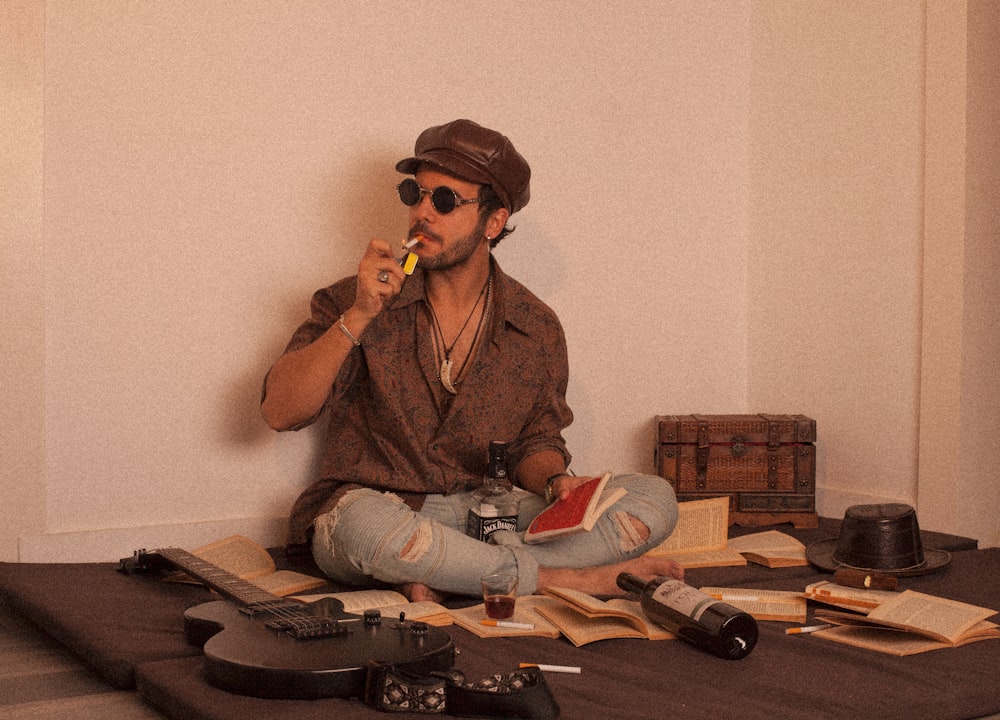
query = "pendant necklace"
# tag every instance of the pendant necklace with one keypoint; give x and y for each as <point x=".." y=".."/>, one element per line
<point x="444" y="373"/>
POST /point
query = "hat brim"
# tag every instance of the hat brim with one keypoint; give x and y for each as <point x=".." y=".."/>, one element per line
<point x="820" y="554"/>
<point x="448" y="162"/>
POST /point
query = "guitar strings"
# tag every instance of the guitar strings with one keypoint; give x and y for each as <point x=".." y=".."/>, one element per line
<point x="292" y="614"/>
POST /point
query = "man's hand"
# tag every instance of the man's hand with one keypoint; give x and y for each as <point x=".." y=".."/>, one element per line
<point x="380" y="278"/>
<point x="564" y="485"/>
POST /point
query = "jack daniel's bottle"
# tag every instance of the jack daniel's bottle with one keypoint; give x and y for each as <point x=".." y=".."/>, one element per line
<point x="495" y="504"/>
<point x="710" y="624"/>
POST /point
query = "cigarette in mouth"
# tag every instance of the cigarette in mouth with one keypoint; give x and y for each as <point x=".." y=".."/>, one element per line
<point x="409" y="262"/>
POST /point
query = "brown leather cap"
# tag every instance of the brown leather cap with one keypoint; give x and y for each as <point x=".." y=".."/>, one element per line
<point x="468" y="150"/>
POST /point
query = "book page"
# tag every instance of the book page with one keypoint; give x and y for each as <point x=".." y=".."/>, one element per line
<point x="238" y="555"/>
<point x="885" y="640"/>
<point x="286" y="582"/>
<point x="779" y="605"/>
<point x="525" y="611"/>
<point x="723" y="557"/>
<point x="426" y="611"/>
<point x="580" y="600"/>
<point x="581" y="629"/>
<point x="893" y="641"/>
<point x="771" y="541"/>
<point x="830" y="593"/>
<point x="357" y="601"/>
<point x="608" y="498"/>
<point x="701" y="525"/>
<point x="389" y="602"/>
<point x="654" y="631"/>
<point x="771" y="548"/>
<point x="628" y="611"/>
<point x="937" y="617"/>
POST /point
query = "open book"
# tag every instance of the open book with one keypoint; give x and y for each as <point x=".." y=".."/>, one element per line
<point x="911" y="623"/>
<point x="860" y="599"/>
<point x="577" y="513"/>
<point x="771" y="548"/>
<point x="585" y="619"/>
<point x="780" y="605"/>
<point x="700" y="537"/>
<point x="525" y="612"/>
<point x="389" y="602"/>
<point x="249" y="561"/>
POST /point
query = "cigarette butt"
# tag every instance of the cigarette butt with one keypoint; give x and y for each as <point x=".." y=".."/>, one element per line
<point x="552" y="668"/>
<point x="807" y="629"/>
<point x="508" y="624"/>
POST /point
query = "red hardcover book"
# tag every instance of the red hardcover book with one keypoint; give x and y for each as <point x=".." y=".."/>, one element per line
<point x="577" y="513"/>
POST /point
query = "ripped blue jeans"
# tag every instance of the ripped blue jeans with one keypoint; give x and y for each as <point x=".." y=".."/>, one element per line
<point x="372" y="535"/>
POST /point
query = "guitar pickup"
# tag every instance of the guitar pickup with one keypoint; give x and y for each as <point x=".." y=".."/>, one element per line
<point x="272" y="607"/>
<point x="307" y="628"/>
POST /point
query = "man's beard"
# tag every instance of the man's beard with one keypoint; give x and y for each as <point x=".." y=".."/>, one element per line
<point x="458" y="254"/>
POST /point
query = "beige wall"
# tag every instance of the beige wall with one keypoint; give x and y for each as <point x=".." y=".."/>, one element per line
<point x="976" y="495"/>
<point x="22" y="274"/>
<point x="834" y="235"/>
<point x="727" y="213"/>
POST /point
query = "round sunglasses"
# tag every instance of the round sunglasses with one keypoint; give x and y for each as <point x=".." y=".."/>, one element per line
<point x="443" y="198"/>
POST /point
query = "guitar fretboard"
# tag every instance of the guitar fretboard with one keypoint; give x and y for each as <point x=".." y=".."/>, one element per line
<point x="280" y="614"/>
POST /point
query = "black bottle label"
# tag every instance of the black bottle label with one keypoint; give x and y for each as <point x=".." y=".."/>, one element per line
<point x="482" y="526"/>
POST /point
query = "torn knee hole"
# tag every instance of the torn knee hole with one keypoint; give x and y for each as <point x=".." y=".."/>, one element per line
<point x="632" y="532"/>
<point x="640" y="527"/>
<point x="418" y="545"/>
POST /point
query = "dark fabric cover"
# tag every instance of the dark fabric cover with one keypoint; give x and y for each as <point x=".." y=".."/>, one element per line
<point x="131" y="627"/>
<point x="112" y="622"/>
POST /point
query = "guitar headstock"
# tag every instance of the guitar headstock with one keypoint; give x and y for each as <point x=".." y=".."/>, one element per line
<point x="142" y="561"/>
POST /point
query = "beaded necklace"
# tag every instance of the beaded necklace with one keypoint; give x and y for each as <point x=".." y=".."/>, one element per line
<point x="441" y="347"/>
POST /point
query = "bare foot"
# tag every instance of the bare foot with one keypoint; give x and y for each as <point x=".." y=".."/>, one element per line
<point x="418" y="592"/>
<point x="602" y="579"/>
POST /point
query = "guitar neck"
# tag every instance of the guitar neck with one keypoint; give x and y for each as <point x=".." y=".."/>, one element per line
<point x="223" y="582"/>
<point x="277" y="613"/>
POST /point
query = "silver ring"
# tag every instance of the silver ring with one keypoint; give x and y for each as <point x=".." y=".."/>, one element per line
<point x="383" y="276"/>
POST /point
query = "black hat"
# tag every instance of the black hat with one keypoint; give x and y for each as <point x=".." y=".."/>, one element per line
<point x="878" y="538"/>
<point x="469" y="151"/>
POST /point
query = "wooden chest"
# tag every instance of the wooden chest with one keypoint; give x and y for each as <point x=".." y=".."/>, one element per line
<point x="765" y="464"/>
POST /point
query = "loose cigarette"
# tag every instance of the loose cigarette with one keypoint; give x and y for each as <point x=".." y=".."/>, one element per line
<point x="508" y="624"/>
<point x="727" y="598"/>
<point x="552" y="668"/>
<point x="807" y="629"/>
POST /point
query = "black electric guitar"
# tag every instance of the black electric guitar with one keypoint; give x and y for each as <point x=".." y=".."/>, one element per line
<point x="259" y="644"/>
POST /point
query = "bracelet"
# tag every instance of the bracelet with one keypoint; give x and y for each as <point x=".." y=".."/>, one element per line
<point x="549" y="495"/>
<point x="348" y="333"/>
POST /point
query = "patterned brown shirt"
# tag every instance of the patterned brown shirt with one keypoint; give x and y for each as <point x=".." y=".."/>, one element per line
<point x="393" y="426"/>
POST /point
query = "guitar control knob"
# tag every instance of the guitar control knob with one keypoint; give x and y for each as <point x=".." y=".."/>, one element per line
<point x="373" y="617"/>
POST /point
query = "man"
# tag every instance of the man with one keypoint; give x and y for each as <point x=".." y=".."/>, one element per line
<point x="418" y="373"/>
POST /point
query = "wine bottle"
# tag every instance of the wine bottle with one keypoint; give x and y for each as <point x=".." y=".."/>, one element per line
<point x="495" y="506"/>
<point x="708" y="623"/>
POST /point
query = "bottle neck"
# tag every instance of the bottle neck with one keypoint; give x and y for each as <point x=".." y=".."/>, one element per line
<point x="631" y="583"/>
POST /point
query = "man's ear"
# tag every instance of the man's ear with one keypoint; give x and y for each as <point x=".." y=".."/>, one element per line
<point x="497" y="222"/>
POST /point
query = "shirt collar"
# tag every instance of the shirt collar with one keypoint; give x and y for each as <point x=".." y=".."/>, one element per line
<point x="510" y="304"/>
